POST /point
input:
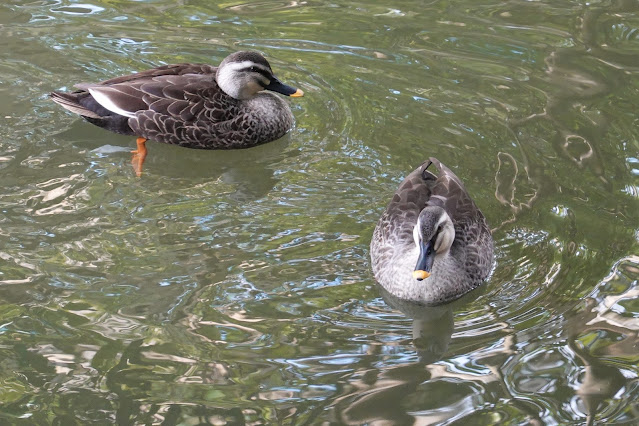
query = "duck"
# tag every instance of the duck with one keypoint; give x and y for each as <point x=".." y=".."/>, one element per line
<point x="192" y="105"/>
<point x="432" y="244"/>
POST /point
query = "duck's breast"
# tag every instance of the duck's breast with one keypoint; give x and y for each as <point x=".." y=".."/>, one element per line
<point x="268" y="115"/>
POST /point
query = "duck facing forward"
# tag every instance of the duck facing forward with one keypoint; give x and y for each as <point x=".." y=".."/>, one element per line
<point x="192" y="105"/>
<point x="432" y="244"/>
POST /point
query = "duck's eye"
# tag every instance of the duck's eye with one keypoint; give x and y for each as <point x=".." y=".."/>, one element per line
<point x="253" y="69"/>
<point x="439" y="229"/>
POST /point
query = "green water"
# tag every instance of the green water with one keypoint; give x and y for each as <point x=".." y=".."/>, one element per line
<point x="235" y="287"/>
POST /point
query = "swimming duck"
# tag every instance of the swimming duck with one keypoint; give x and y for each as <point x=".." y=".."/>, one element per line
<point x="192" y="105"/>
<point x="432" y="244"/>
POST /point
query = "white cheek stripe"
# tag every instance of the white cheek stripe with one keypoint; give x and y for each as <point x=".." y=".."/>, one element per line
<point x="106" y="102"/>
<point x="235" y="66"/>
<point x="240" y="65"/>
<point x="416" y="233"/>
<point x="442" y="219"/>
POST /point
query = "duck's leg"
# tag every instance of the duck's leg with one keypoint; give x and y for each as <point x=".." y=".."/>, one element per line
<point x="138" y="156"/>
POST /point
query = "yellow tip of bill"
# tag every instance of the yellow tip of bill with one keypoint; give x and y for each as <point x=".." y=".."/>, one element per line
<point x="298" y="94"/>
<point x="420" y="275"/>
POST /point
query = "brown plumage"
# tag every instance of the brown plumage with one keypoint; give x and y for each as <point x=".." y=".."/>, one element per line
<point x="192" y="105"/>
<point x="431" y="212"/>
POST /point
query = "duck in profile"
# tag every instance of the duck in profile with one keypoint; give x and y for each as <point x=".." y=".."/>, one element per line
<point x="192" y="105"/>
<point x="432" y="244"/>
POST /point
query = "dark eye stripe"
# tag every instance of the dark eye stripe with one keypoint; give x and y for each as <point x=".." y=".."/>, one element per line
<point x="265" y="73"/>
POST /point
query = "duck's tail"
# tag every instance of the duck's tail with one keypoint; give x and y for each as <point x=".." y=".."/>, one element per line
<point x="71" y="102"/>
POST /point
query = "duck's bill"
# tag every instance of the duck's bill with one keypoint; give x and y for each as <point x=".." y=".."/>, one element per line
<point x="424" y="261"/>
<point x="420" y="275"/>
<point x="277" y="86"/>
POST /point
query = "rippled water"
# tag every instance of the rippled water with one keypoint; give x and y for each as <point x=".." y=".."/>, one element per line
<point x="231" y="287"/>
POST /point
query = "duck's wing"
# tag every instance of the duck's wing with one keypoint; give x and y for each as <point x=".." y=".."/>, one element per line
<point x="173" y="90"/>
<point x="396" y="225"/>
<point x="189" y="109"/>
<point x="125" y="95"/>
<point x="473" y="242"/>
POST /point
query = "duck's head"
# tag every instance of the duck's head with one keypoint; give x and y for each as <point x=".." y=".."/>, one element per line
<point x="242" y="75"/>
<point x="434" y="234"/>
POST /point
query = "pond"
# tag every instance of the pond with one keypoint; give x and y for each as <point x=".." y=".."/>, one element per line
<point x="234" y="287"/>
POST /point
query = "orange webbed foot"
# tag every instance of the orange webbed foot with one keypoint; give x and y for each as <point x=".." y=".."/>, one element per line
<point x="138" y="156"/>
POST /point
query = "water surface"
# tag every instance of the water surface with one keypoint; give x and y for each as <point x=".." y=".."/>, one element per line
<point x="235" y="287"/>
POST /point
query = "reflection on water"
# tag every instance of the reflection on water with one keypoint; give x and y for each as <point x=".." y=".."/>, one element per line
<point x="235" y="287"/>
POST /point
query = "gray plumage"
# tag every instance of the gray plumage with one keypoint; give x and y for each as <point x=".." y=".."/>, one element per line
<point x="434" y="201"/>
<point x="192" y="105"/>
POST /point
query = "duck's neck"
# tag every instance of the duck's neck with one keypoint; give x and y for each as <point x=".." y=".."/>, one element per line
<point x="271" y="111"/>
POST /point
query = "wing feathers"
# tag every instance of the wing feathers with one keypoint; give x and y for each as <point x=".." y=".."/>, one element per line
<point x="123" y="100"/>
<point x="422" y="187"/>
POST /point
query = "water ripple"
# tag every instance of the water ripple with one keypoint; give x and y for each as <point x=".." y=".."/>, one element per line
<point x="236" y="286"/>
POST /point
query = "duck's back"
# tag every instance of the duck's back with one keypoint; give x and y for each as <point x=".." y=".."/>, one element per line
<point x="164" y="70"/>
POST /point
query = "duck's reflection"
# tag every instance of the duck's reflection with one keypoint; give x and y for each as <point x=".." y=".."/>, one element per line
<point x="382" y="394"/>
<point x="251" y="171"/>
<point x="387" y="393"/>
<point x="432" y="326"/>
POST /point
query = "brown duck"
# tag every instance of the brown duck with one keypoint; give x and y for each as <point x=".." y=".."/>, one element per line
<point x="432" y="244"/>
<point x="192" y="105"/>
